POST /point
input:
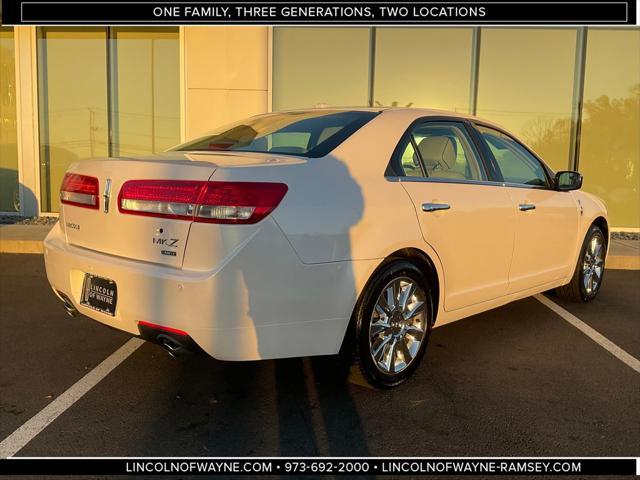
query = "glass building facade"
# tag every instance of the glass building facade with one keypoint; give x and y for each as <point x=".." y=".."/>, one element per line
<point x="9" y="192"/>
<point x="609" y="136"/>
<point x="104" y="92"/>
<point x="572" y="94"/>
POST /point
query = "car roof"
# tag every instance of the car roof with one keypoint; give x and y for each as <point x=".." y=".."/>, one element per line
<point x="410" y="112"/>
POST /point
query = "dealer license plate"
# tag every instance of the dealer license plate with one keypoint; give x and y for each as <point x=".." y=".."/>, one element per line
<point x="99" y="294"/>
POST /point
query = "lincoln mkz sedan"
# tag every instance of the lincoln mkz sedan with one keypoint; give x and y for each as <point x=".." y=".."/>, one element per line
<point x="322" y="231"/>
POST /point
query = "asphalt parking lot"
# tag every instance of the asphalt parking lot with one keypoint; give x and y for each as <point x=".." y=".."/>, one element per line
<point x="516" y="381"/>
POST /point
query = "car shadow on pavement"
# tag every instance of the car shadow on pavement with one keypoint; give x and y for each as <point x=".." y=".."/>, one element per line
<point x="302" y="406"/>
<point x="317" y="387"/>
<point x="289" y="407"/>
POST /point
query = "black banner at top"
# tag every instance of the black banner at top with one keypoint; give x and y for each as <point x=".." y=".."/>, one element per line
<point x="181" y="12"/>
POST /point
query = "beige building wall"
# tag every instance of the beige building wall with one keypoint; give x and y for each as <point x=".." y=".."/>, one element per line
<point x="27" y="112"/>
<point x="225" y="75"/>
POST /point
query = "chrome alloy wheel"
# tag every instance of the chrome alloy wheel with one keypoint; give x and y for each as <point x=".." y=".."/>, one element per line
<point x="593" y="264"/>
<point x="398" y="325"/>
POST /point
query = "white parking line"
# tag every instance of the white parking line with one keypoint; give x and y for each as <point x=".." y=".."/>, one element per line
<point x="27" y="431"/>
<point x="601" y="340"/>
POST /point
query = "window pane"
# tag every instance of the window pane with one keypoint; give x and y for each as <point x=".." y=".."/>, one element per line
<point x="320" y="67"/>
<point x="410" y="162"/>
<point x="610" y="139"/>
<point x="76" y="85"/>
<point x="446" y="152"/>
<point x="526" y="85"/>
<point x="144" y="98"/>
<point x="9" y="193"/>
<point x="516" y="164"/>
<point x="72" y="78"/>
<point x="423" y="67"/>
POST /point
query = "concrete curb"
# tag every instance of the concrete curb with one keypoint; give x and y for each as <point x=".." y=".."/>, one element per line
<point x="21" y="246"/>
<point x="623" y="262"/>
<point x="23" y="238"/>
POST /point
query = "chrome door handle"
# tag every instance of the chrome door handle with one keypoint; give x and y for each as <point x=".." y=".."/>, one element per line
<point x="526" y="206"/>
<point x="434" y="207"/>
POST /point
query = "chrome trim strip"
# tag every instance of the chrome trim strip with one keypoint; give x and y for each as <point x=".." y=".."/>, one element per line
<point x="107" y="195"/>
<point x="465" y="182"/>
<point x="444" y="180"/>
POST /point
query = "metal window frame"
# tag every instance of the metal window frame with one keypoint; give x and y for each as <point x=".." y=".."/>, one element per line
<point x="578" y="98"/>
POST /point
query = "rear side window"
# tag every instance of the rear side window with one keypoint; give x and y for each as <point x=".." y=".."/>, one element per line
<point x="440" y="150"/>
<point x="312" y="133"/>
<point x="410" y="162"/>
<point x="516" y="163"/>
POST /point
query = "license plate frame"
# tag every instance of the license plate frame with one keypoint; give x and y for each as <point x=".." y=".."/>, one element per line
<point x="99" y="294"/>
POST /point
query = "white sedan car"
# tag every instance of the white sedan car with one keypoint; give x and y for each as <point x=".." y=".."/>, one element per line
<point x="303" y="232"/>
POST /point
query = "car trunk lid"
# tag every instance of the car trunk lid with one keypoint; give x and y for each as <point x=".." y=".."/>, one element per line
<point x="106" y="229"/>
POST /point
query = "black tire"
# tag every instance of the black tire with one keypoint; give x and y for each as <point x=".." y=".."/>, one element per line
<point x="363" y="316"/>
<point x="575" y="290"/>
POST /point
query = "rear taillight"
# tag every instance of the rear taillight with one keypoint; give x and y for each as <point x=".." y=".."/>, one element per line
<point x="238" y="202"/>
<point x="80" y="190"/>
<point x="160" y="198"/>
<point x="211" y="202"/>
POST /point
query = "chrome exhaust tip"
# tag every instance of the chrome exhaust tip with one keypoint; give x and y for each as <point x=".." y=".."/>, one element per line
<point x="68" y="305"/>
<point x="172" y="346"/>
<point x="70" y="309"/>
<point x="176" y="343"/>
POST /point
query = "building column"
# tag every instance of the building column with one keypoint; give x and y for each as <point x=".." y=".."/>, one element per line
<point x="225" y="75"/>
<point x="27" y="120"/>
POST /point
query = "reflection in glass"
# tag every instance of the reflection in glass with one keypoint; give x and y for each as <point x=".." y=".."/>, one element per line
<point x="104" y="92"/>
<point x="72" y="77"/>
<point x="423" y="67"/>
<point x="144" y="95"/>
<point x="315" y="67"/>
<point x="526" y="82"/>
<point x="609" y="155"/>
<point x="9" y="193"/>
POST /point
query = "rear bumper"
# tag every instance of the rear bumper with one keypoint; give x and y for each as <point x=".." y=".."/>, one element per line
<point x="261" y="302"/>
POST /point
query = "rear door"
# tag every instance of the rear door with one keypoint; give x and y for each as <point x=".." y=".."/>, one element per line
<point x="468" y="220"/>
<point x="106" y="229"/>
<point x="547" y="220"/>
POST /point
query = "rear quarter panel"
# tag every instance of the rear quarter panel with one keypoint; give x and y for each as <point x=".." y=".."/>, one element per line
<point x="341" y="209"/>
<point x="341" y="206"/>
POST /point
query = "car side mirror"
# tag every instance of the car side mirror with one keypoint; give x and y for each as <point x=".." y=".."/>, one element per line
<point x="568" y="180"/>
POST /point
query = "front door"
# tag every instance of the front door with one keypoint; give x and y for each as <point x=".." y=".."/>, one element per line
<point x="546" y="219"/>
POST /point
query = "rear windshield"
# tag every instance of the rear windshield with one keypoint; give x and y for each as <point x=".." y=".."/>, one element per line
<point x="308" y="133"/>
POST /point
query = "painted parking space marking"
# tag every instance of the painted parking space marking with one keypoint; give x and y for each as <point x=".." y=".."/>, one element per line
<point x="594" y="335"/>
<point x="27" y="431"/>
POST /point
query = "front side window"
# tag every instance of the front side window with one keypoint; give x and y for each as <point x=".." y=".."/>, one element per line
<point x="440" y="150"/>
<point x="312" y="133"/>
<point x="516" y="163"/>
